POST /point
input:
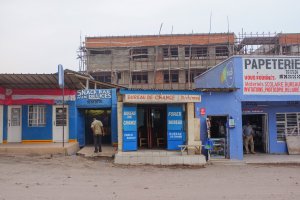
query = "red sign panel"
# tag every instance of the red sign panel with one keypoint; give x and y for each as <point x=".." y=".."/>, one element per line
<point x="202" y="111"/>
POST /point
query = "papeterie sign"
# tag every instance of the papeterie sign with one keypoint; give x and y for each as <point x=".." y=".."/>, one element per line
<point x="273" y="76"/>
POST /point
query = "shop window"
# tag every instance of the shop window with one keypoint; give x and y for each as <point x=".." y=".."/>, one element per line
<point x="139" y="54"/>
<point x="196" y="52"/>
<point x="287" y="123"/>
<point x="174" y="77"/>
<point x="100" y="52"/>
<point x="36" y="116"/>
<point x="170" y="53"/>
<point x="102" y="77"/>
<point x="222" y="51"/>
<point x="140" y="78"/>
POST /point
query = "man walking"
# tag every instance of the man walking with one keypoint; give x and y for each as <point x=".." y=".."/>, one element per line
<point x="98" y="132"/>
<point x="248" y="133"/>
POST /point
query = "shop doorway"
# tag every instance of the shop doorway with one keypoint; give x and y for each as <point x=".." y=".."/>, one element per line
<point x="218" y="133"/>
<point x="105" y="117"/>
<point x="14" y="124"/>
<point x="259" y="124"/>
<point x="152" y="126"/>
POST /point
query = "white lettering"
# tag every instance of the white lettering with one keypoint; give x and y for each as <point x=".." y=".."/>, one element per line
<point x="178" y="114"/>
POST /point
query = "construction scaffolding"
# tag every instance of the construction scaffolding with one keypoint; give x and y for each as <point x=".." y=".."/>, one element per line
<point x="172" y="61"/>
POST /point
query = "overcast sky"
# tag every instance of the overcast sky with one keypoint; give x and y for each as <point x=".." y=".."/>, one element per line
<point x="37" y="35"/>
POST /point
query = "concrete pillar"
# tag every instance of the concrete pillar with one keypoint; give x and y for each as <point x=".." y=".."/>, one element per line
<point x="192" y="132"/>
<point x="120" y="125"/>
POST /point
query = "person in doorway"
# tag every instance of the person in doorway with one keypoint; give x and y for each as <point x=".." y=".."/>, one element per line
<point x="98" y="132"/>
<point x="248" y="133"/>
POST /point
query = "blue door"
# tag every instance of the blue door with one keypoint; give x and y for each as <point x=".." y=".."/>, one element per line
<point x="175" y="126"/>
<point x="129" y="128"/>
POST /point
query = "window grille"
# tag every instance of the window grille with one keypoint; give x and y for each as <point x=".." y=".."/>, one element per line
<point x="287" y="123"/>
<point x="36" y="116"/>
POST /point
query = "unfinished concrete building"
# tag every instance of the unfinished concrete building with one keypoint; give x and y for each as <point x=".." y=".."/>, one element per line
<point x="268" y="44"/>
<point x="155" y="61"/>
<point x="172" y="61"/>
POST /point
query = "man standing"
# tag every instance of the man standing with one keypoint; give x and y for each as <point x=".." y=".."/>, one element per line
<point x="248" y="133"/>
<point x="98" y="132"/>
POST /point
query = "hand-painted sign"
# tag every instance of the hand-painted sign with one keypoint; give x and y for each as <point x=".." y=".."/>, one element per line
<point x="175" y="126"/>
<point x="175" y="135"/>
<point x="273" y="76"/>
<point x="129" y="119"/>
<point x="227" y="74"/>
<point x="160" y="98"/>
<point x="129" y="128"/>
<point x="96" y="97"/>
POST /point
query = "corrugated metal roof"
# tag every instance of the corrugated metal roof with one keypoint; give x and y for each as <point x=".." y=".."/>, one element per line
<point x="73" y="80"/>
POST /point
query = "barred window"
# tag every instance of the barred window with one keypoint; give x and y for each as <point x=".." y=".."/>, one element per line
<point x="139" y="77"/>
<point x="287" y="123"/>
<point x="139" y="54"/>
<point x="36" y="116"/>
<point x="222" y="51"/>
<point x="174" y="78"/>
<point x="196" y="52"/>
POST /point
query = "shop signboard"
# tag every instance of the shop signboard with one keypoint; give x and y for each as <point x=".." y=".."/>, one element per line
<point x="161" y="98"/>
<point x="129" y="128"/>
<point x="94" y="98"/>
<point x="271" y="76"/>
<point x="175" y="126"/>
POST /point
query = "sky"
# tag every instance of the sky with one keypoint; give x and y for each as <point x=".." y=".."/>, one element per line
<point x="37" y="35"/>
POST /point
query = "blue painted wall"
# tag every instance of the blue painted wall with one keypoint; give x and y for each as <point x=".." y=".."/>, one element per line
<point x="94" y="99"/>
<point x="271" y="108"/>
<point x="72" y="120"/>
<point x="114" y="117"/>
<point x="223" y="104"/>
<point x="37" y="133"/>
<point x="220" y="76"/>
<point x="230" y="103"/>
<point x="4" y="122"/>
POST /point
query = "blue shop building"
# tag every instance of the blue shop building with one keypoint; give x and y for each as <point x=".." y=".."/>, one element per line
<point x="102" y="105"/>
<point x="264" y="91"/>
<point x="157" y="119"/>
<point x="34" y="109"/>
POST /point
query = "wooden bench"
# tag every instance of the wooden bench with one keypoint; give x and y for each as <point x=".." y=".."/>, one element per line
<point x="184" y="147"/>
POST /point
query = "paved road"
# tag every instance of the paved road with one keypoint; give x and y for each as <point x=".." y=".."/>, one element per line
<point x="79" y="178"/>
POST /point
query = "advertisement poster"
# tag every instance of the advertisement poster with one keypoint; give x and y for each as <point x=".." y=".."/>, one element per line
<point x="271" y="76"/>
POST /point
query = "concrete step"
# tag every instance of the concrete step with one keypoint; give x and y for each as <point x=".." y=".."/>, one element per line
<point x="226" y="162"/>
<point x="88" y="151"/>
<point x="158" y="158"/>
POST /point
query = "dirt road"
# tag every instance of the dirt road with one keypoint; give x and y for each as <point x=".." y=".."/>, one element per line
<point x="74" y="177"/>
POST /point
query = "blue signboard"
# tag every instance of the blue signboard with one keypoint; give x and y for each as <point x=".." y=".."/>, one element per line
<point x="94" y="98"/>
<point x="175" y="125"/>
<point x="129" y="128"/>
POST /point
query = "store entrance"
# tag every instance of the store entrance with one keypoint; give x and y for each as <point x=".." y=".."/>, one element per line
<point x="152" y="126"/>
<point x="105" y="117"/>
<point x="218" y="133"/>
<point x="259" y="125"/>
